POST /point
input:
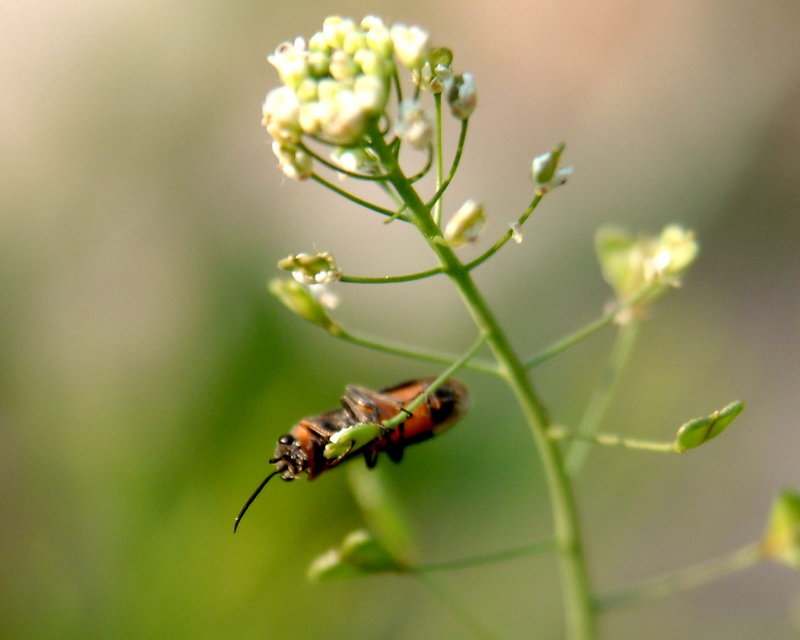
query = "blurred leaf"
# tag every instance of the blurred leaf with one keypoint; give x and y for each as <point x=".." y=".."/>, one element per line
<point x="782" y="538"/>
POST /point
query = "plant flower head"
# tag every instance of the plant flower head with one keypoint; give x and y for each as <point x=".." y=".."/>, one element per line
<point x="335" y="86"/>
<point x="644" y="268"/>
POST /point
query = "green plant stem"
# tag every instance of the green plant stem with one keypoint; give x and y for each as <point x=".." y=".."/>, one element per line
<point x="392" y="279"/>
<point x="355" y="199"/>
<point x="462" y="137"/>
<point x="613" y="440"/>
<point x="402" y="416"/>
<point x="598" y="404"/>
<point x="580" y="614"/>
<point x="437" y="207"/>
<point x="687" y="578"/>
<point x="397" y="349"/>
<point x="488" y="558"/>
<point x="593" y="327"/>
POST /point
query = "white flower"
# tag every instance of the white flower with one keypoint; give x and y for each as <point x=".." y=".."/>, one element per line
<point x="282" y="114"/>
<point x="411" y="44"/>
<point x="295" y="163"/>
<point x="291" y="61"/>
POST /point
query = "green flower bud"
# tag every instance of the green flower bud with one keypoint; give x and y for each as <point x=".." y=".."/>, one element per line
<point x="466" y="224"/>
<point x="546" y="174"/>
<point x="781" y="541"/>
<point x="700" y="430"/>
<point x="351" y="439"/>
<point x="318" y="63"/>
<point x="299" y="300"/>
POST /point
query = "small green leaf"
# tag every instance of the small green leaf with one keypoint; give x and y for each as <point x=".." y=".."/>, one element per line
<point x="700" y="430"/>
<point x="351" y="439"/>
<point x="781" y="540"/>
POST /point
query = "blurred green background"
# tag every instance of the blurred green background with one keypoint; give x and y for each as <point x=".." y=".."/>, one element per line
<point x="146" y="373"/>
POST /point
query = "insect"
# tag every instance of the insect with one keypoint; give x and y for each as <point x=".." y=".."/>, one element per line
<point x="324" y="441"/>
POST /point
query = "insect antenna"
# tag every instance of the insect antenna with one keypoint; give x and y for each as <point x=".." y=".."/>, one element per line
<point x="251" y="498"/>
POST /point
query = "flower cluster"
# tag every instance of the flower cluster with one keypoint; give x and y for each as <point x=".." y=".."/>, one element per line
<point x="336" y="85"/>
<point x="641" y="269"/>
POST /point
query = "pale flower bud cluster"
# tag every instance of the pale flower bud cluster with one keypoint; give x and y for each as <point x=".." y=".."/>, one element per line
<point x="335" y="85"/>
<point x="317" y="268"/>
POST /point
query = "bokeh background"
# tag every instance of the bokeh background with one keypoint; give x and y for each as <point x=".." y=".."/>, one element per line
<point x="146" y="373"/>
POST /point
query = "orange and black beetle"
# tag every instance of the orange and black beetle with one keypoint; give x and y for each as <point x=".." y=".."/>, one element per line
<point x="356" y="429"/>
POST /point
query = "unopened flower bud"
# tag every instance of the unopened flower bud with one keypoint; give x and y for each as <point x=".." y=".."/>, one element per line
<point x="462" y="95"/>
<point x="294" y="162"/>
<point x="700" y="430"/>
<point x="281" y="112"/>
<point x="545" y="172"/>
<point x="299" y="300"/>
<point x="370" y="93"/>
<point x="466" y="224"/>
<point x="336" y="29"/>
<point x="414" y="125"/>
<point x="378" y="37"/>
<point x="411" y="44"/>
<point x="355" y="159"/>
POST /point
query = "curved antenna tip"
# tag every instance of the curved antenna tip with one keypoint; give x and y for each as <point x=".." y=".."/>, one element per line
<point x="247" y="504"/>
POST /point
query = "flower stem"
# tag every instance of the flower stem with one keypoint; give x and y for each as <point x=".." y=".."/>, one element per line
<point x="598" y="404"/>
<point x="397" y="349"/>
<point x="488" y="558"/>
<point x="613" y="440"/>
<point x="688" y="578"/>
<point x="391" y="279"/>
<point x="359" y="201"/>
<point x="580" y="613"/>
